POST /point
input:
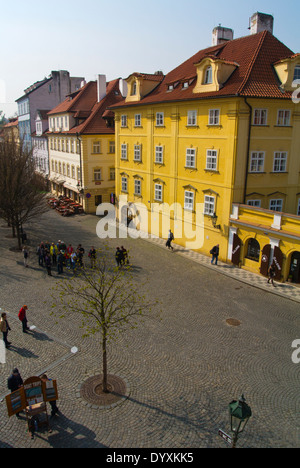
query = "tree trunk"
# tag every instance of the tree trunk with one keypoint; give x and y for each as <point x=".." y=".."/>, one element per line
<point x="104" y="365"/>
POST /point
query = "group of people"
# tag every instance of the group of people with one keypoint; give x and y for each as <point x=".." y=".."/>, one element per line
<point x="5" y="328"/>
<point x="121" y="256"/>
<point x="60" y="255"/>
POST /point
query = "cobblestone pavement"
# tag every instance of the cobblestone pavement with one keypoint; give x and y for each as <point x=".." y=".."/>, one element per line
<point x="181" y="371"/>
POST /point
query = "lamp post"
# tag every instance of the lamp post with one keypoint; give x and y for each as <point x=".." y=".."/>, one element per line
<point x="239" y="413"/>
<point x="214" y="221"/>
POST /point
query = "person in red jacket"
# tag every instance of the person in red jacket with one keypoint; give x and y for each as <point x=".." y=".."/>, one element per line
<point x="23" y="318"/>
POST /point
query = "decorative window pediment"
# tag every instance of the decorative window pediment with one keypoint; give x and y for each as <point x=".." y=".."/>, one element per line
<point x="212" y="73"/>
<point x="288" y="70"/>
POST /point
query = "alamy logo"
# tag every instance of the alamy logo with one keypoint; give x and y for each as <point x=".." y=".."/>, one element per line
<point x="2" y="92"/>
<point x="296" y="93"/>
<point x="296" y="353"/>
<point x="2" y="353"/>
<point x="136" y="220"/>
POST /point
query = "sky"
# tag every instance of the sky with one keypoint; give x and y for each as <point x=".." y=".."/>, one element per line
<point x="117" y="38"/>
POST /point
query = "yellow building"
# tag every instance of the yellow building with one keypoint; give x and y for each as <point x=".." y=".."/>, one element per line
<point x="219" y="129"/>
<point x="82" y="144"/>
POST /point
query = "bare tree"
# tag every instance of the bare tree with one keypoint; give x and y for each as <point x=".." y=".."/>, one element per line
<point x="22" y="195"/>
<point x="107" y="300"/>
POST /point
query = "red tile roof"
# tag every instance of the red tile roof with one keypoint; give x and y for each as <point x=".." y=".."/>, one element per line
<point x="254" y="76"/>
<point x="84" y="105"/>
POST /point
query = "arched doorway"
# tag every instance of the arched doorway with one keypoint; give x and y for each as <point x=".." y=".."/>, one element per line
<point x="295" y="267"/>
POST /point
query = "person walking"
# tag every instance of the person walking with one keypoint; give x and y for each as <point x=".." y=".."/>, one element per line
<point x="169" y="240"/>
<point x="26" y="255"/>
<point x="23" y="318"/>
<point x="14" y="382"/>
<point x="215" y="254"/>
<point x="271" y="274"/>
<point x="5" y="328"/>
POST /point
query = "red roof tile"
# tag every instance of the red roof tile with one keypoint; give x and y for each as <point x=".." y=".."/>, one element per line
<point x="255" y="75"/>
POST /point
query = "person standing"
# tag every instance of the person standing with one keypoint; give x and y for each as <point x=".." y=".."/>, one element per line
<point x="60" y="262"/>
<point x="92" y="254"/>
<point x="48" y="263"/>
<point x="54" y="409"/>
<point x="26" y="255"/>
<point x="124" y="256"/>
<point x="5" y="328"/>
<point x="14" y="382"/>
<point x="215" y="254"/>
<point x="80" y="254"/>
<point x="53" y="253"/>
<point x="119" y="256"/>
<point x="23" y="318"/>
<point x="271" y="274"/>
<point x="169" y="240"/>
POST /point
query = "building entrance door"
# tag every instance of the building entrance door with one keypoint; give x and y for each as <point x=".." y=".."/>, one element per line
<point x="295" y="267"/>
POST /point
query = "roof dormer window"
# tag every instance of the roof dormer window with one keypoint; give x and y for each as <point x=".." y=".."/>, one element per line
<point x="296" y="73"/>
<point x="133" y="89"/>
<point x="208" y="75"/>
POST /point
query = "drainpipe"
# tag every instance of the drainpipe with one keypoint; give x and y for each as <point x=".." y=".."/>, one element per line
<point x="80" y="162"/>
<point x="248" y="150"/>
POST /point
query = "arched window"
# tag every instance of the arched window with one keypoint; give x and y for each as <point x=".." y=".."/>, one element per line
<point x="297" y="72"/>
<point x="253" y="250"/>
<point x="208" y="75"/>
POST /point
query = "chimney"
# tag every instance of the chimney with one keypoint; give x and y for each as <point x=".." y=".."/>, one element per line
<point x="82" y="83"/>
<point x="123" y="87"/>
<point x="101" y="87"/>
<point x="260" y="22"/>
<point x="220" y="35"/>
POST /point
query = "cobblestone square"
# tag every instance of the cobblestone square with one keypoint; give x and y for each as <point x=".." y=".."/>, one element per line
<point x="182" y="371"/>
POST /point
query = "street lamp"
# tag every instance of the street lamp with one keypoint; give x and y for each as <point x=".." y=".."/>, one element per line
<point x="239" y="413"/>
<point x="214" y="221"/>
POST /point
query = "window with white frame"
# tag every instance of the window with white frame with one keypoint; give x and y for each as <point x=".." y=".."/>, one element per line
<point x="260" y="117"/>
<point x="63" y="145"/>
<point x="124" y="185"/>
<point x="66" y="122"/>
<point x="159" y="155"/>
<point x="283" y="118"/>
<point x="189" y="200"/>
<point x="192" y="118"/>
<point x="124" y="151"/>
<point x="211" y="160"/>
<point x="214" y="117"/>
<point x="137" y="120"/>
<point x="123" y="120"/>
<point x="72" y="146"/>
<point x="209" y="205"/>
<point x="254" y="203"/>
<point x="68" y="170"/>
<point x="158" y="192"/>
<point x="97" y="174"/>
<point x="73" y="172"/>
<point x="96" y="147"/>
<point x="280" y="159"/>
<point x="137" y="186"/>
<point x="190" y="157"/>
<point x="276" y="204"/>
<point x="208" y="75"/>
<point x="137" y="155"/>
<point x="296" y="73"/>
<point x="257" y="161"/>
<point x="159" y="119"/>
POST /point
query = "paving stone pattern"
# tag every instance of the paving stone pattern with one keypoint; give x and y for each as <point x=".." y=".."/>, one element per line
<point x="182" y="369"/>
